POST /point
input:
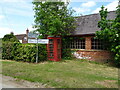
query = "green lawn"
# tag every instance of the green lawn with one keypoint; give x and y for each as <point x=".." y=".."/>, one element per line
<point x="64" y="74"/>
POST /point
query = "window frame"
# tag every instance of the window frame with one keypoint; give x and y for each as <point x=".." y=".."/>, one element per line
<point x="96" y="44"/>
<point x="77" y="43"/>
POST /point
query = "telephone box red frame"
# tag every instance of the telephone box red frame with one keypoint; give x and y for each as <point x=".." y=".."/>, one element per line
<point x="54" y="48"/>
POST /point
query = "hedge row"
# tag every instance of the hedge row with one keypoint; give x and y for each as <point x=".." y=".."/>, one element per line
<point x="23" y="52"/>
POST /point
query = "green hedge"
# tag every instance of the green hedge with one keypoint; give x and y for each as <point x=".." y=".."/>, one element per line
<point x="23" y="52"/>
<point x="7" y="50"/>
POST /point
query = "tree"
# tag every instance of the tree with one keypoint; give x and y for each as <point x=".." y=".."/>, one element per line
<point x="110" y="31"/>
<point x="53" y="18"/>
<point x="10" y="37"/>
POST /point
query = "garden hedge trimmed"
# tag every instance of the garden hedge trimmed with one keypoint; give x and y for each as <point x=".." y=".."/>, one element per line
<point x="23" y="52"/>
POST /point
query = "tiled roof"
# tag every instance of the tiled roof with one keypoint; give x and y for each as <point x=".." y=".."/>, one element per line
<point x="88" y="24"/>
<point x="20" y="36"/>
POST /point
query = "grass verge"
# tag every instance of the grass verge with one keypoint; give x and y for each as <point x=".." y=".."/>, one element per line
<point x="64" y="74"/>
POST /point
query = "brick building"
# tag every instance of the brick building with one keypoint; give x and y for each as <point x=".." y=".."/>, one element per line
<point x="23" y="38"/>
<point x="89" y="47"/>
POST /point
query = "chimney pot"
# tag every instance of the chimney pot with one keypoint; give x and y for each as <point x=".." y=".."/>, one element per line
<point x="27" y="31"/>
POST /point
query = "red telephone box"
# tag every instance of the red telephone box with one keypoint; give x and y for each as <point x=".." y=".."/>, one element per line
<point x="54" y="48"/>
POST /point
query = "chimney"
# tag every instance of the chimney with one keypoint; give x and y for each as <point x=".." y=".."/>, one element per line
<point x="12" y="33"/>
<point x="27" y="31"/>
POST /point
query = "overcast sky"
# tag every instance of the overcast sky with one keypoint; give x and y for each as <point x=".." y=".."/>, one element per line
<point x="18" y="15"/>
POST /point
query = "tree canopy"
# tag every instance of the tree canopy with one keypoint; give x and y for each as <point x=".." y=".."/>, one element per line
<point x="53" y="18"/>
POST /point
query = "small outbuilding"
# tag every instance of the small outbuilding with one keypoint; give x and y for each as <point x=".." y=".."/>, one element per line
<point x="88" y="47"/>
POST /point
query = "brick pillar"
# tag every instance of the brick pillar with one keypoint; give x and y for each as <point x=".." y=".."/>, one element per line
<point x="88" y="43"/>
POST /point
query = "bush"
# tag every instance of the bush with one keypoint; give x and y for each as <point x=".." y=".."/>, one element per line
<point x="67" y="53"/>
<point x="10" y="38"/>
<point x="116" y="50"/>
<point x="23" y="52"/>
<point x="7" y="50"/>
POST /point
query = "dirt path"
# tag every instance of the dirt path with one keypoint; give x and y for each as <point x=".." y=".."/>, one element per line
<point x="9" y="82"/>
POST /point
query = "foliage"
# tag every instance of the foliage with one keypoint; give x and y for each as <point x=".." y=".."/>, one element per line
<point x="110" y="31"/>
<point x="10" y="37"/>
<point x="23" y="52"/>
<point x="66" y="51"/>
<point x="7" y="50"/>
<point x="27" y="53"/>
<point x="53" y="18"/>
<point x="8" y="44"/>
<point x="104" y="22"/>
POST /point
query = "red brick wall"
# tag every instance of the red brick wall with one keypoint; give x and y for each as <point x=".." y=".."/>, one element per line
<point x="88" y="43"/>
<point x="94" y="55"/>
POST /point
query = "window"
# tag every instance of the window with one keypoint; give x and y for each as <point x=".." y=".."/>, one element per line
<point x="51" y="54"/>
<point x="25" y="38"/>
<point x="77" y="43"/>
<point x="96" y="44"/>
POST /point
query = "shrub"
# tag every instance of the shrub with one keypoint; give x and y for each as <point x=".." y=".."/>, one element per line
<point x="116" y="50"/>
<point x="23" y="52"/>
<point x="27" y="53"/>
<point x="10" y="38"/>
<point x="67" y="53"/>
<point x="7" y="50"/>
